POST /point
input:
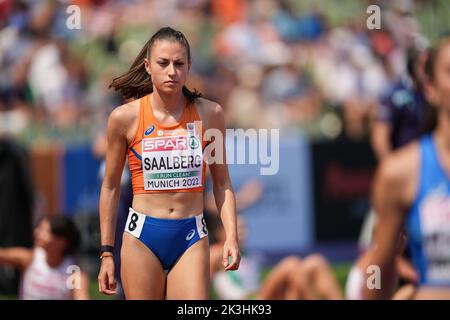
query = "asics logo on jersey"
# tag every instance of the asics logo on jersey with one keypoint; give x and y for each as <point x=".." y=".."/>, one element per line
<point x="149" y="130"/>
<point x="190" y="235"/>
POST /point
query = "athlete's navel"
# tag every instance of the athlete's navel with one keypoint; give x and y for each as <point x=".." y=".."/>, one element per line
<point x="171" y="210"/>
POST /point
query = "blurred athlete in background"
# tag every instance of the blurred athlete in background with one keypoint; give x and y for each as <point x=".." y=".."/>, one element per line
<point x="412" y="191"/>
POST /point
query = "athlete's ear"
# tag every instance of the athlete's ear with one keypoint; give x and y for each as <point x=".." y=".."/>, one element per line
<point x="147" y="66"/>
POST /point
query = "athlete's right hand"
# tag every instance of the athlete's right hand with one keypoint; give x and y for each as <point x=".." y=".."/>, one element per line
<point x="106" y="282"/>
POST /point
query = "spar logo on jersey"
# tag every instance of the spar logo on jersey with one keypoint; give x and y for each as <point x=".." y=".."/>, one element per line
<point x="149" y="130"/>
<point x="165" y="144"/>
<point x="193" y="142"/>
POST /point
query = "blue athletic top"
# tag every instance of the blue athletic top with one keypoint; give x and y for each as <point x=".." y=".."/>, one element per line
<point x="428" y="222"/>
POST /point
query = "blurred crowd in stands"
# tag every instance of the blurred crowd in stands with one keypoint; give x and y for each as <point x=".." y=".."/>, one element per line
<point x="270" y="63"/>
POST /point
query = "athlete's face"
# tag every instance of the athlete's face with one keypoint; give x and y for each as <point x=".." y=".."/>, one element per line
<point x="439" y="88"/>
<point x="168" y="65"/>
<point x="45" y="239"/>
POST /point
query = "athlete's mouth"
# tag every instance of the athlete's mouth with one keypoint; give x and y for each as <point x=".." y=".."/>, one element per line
<point x="171" y="81"/>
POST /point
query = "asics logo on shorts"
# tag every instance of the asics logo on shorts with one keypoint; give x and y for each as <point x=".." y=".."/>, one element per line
<point x="190" y="235"/>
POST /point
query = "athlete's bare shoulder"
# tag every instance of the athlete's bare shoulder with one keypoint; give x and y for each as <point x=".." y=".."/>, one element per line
<point x="126" y="113"/>
<point x="124" y="118"/>
<point x="210" y="111"/>
<point x="401" y="170"/>
<point x="402" y="162"/>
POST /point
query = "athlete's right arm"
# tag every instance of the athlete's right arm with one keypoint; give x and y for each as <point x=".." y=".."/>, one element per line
<point x="110" y="191"/>
<point x="16" y="257"/>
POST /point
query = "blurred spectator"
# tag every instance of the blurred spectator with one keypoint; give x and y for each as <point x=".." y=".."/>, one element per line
<point x="400" y="117"/>
<point x="291" y="279"/>
<point x="48" y="270"/>
<point x="260" y="58"/>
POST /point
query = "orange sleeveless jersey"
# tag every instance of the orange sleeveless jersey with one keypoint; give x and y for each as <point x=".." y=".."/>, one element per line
<point x="167" y="158"/>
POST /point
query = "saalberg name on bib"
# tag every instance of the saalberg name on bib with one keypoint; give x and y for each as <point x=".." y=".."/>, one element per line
<point x="175" y="162"/>
<point x="172" y="162"/>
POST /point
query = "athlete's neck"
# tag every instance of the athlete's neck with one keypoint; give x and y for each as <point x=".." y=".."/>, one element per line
<point x="167" y="103"/>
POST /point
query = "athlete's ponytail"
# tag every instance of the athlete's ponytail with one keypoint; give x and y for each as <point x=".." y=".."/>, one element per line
<point x="137" y="83"/>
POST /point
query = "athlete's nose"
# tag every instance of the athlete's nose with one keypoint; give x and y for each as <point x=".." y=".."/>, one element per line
<point x="171" y="69"/>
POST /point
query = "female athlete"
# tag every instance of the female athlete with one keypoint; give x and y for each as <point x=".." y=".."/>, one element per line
<point x="165" y="249"/>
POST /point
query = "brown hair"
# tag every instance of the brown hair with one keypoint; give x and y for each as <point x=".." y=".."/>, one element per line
<point x="137" y="83"/>
<point x="430" y="113"/>
<point x="65" y="227"/>
<point x="432" y="58"/>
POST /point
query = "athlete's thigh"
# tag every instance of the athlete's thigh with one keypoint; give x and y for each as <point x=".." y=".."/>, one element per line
<point x="141" y="272"/>
<point x="189" y="277"/>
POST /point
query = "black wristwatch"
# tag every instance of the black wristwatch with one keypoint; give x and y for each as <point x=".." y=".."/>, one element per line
<point x="104" y="249"/>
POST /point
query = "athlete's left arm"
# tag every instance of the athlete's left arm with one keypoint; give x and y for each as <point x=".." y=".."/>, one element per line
<point x="223" y="192"/>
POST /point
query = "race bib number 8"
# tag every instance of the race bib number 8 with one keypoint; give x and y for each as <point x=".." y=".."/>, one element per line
<point x="172" y="162"/>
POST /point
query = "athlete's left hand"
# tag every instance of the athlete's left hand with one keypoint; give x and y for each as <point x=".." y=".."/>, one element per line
<point x="231" y="248"/>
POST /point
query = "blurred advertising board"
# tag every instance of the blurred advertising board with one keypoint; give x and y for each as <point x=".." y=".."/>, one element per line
<point x="342" y="172"/>
<point x="281" y="220"/>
